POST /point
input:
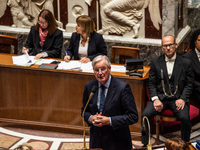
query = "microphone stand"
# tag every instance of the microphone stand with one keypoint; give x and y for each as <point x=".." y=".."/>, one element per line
<point x="149" y="147"/>
<point x="90" y="97"/>
<point x="84" y="143"/>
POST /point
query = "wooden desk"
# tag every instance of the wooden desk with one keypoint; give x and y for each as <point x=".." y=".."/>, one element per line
<point x="31" y="95"/>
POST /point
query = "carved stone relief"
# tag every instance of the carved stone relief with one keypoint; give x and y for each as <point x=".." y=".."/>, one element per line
<point x="25" y="12"/>
<point x="2" y="7"/>
<point x="75" y="9"/>
<point x="121" y="16"/>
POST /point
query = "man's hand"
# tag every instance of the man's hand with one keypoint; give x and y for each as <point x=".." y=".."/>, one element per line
<point x="158" y="105"/>
<point x="93" y="119"/>
<point x="180" y="104"/>
<point x="99" y="120"/>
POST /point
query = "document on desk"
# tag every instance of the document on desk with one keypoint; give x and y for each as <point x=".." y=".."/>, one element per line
<point x="44" y="61"/>
<point x="118" y="68"/>
<point x="24" y="60"/>
<point x="76" y="65"/>
<point x="87" y="67"/>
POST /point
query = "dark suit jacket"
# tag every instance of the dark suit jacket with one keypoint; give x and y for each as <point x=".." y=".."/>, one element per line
<point x="52" y="45"/>
<point x="120" y="106"/>
<point x="96" y="46"/>
<point x="196" y="68"/>
<point x="182" y="73"/>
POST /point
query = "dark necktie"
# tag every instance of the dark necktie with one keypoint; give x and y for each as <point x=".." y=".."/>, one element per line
<point x="102" y="98"/>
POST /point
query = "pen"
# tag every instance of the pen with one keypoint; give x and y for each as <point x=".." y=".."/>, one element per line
<point x="66" y="52"/>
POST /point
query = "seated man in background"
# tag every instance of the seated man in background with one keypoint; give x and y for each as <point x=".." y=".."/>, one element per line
<point x="194" y="56"/>
<point x="170" y="85"/>
<point x="111" y="110"/>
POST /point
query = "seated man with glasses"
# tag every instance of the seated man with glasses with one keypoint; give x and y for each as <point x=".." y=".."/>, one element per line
<point x="111" y="109"/>
<point x="170" y="85"/>
<point x="44" y="39"/>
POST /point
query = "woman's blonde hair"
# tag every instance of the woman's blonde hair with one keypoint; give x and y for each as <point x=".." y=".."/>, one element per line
<point x="24" y="146"/>
<point x="49" y="17"/>
<point x="86" y="23"/>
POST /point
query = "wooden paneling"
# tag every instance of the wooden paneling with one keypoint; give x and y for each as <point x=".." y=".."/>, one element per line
<point x="53" y="97"/>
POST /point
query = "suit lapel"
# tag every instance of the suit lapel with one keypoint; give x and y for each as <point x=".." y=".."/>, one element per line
<point x="95" y="98"/>
<point x="164" y="68"/>
<point x="37" y="39"/>
<point x="47" y="41"/>
<point x="195" y="59"/>
<point x="90" y="43"/>
<point x="177" y="69"/>
<point x="76" y="45"/>
<point x="110" y="94"/>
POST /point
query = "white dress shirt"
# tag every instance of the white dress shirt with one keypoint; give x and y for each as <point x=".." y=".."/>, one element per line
<point x="83" y="50"/>
<point x="170" y="67"/>
<point x="198" y="53"/>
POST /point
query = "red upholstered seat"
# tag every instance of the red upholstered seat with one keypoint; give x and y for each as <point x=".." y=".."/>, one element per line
<point x="194" y="112"/>
<point x="167" y="117"/>
<point x="168" y="112"/>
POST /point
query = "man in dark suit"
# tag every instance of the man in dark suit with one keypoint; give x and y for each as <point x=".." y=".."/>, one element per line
<point x="170" y="86"/>
<point x="110" y="120"/>
<point x="194" y="56"/>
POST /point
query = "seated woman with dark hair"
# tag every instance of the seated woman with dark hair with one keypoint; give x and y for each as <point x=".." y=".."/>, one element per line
<point x="85" y="43"/>
<point x="44" y="39"/>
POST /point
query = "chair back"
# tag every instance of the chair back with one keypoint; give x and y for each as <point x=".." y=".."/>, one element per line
<point x="124" y="53"/>
<point x="5" y="44"/>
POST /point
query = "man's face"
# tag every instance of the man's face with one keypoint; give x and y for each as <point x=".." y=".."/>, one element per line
<point x="197" y="43"/>
<point x="101" y="71"/>
<point x="169" y="46"/>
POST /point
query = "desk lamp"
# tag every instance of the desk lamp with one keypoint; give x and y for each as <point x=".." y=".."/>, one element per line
<point x="149" y="147"/>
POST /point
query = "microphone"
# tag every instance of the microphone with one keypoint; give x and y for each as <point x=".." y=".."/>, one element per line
<point x="94" y="88"/>
<point x="149" y="147"/>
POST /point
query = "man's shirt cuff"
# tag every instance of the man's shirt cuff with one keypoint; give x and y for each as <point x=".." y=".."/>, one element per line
<point x="154" y="98"/>
<point x="44" y="54"/>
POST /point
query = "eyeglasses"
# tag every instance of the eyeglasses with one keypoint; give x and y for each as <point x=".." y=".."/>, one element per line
<point x="42" y="23"/>
<point x="103" y="69"/>
<point x="170" y="45"/>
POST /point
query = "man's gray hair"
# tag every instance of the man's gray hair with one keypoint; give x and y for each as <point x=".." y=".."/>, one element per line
<point x="99" y="58"/>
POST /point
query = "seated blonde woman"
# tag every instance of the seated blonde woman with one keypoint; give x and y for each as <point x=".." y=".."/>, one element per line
<point x="176" y="144"/>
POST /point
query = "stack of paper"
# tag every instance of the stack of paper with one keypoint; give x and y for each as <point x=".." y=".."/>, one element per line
<point x="24" y="60"/>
